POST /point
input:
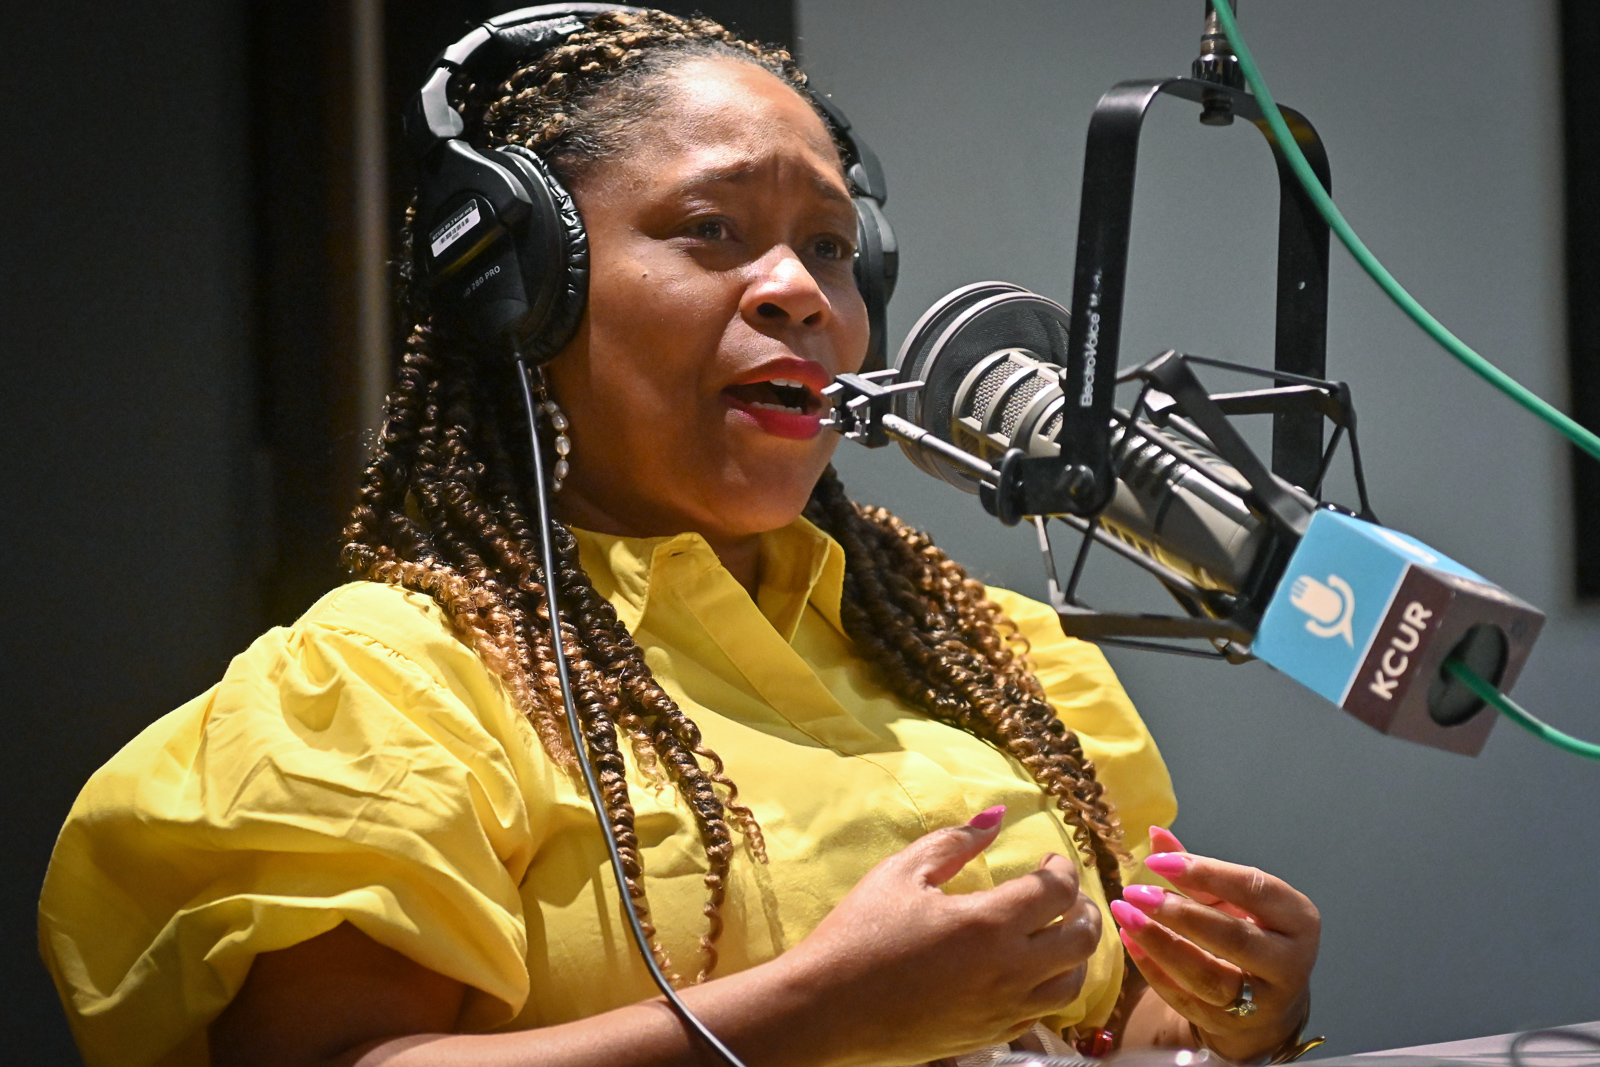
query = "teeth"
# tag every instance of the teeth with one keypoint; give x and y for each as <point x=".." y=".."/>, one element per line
<point x="771" y="407"/>
<point x="786" y="383"/>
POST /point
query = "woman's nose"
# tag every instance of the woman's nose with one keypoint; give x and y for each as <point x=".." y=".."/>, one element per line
<point x="784" y="293"/>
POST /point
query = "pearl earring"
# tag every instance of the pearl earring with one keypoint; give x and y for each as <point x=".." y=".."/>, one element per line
<point x="558" y="423"/>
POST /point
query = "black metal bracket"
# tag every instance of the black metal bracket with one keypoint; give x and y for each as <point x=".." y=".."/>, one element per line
<point x="863" y="411"/>
<point x="1105" y="216"/>
<point x="1031" y="485"/>
<point x="1171" y="373"/>
<point x="1077" y="484"/>
<point x="1173" y="399"/>
<point x="1306" y="396"/>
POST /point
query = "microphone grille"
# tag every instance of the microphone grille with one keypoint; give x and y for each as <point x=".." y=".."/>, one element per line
<point x="1003" y="400"/>
<point x="977" y="354"/>
<point x="1018" y="402"/>
<point x="981" y="399"/>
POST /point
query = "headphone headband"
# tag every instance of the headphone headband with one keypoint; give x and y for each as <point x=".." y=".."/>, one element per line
<point x="497" y="45"/>
<point x="518" y="37"/>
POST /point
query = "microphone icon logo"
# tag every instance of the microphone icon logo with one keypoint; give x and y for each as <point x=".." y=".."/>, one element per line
<point x="1330" y="606"/>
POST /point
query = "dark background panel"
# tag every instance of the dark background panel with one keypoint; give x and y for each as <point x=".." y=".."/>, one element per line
<point x="1580" y="55"/>
<point x="127" y="430"/>
<point x="308" y="428"/>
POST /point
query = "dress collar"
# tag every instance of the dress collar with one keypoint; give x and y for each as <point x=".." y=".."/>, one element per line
<point x="800" y="565"/>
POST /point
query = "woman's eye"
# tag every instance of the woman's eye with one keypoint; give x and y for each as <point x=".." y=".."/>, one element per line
<point x="712" y="230"/>
<point x="833" y="248"/>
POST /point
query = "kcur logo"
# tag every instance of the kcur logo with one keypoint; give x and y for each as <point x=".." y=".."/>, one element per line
<point x="1330" y="606"/>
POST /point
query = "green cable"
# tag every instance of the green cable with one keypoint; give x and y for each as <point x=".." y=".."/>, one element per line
<point x="1507" y="707"/>
<point x="1579" y="436"/>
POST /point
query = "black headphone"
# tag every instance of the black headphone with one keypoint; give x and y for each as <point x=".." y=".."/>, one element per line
<point x="499" y="242"/>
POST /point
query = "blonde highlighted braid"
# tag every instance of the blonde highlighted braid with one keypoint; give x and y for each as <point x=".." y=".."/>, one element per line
<point x="444" y="510"/>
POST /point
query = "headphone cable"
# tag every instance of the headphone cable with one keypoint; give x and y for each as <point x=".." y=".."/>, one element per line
<point x="547" y="559"/>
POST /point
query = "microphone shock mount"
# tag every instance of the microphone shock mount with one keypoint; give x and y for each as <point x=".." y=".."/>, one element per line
<point x="1181" y="469"/>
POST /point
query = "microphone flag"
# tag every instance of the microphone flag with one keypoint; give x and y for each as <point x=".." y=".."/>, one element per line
<point x="1366" y="617"/>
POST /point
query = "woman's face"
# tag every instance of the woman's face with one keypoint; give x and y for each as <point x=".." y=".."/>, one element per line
<point x="721" y="302"/>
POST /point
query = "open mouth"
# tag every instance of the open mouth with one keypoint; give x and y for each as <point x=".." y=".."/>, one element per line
<point x="780" y="406"/>
<point x="779" y="394"/>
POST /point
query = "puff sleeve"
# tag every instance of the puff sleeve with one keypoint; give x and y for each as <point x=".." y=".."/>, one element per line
<point x="361" y="766"/>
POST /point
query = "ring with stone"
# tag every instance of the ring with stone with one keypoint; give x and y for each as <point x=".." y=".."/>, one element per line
<point x="1245" y="1003"/>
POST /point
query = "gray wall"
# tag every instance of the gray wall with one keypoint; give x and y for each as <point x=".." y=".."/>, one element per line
<point x="1457" y="894"/>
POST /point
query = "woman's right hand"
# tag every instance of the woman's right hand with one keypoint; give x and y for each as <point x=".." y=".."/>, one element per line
<point x="906" y="972"/>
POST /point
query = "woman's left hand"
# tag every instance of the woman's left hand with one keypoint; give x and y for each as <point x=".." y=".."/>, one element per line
<point x="1230" y="924"/>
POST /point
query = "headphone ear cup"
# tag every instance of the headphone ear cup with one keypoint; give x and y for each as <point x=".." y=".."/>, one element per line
<point x="877" y="268"/>
<point x="554" y="258"/>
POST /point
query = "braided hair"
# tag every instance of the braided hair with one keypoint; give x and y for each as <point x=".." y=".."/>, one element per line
<point x="444" y="510"/>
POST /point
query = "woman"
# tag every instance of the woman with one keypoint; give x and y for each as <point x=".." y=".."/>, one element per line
<point x="856" y="800"/>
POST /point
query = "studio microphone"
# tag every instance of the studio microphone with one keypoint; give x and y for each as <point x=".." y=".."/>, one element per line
<point x="986" y="354"/>
<point x="1361" y="614"/>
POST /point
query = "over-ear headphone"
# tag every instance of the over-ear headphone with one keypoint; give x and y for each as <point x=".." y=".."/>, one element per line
<point x="499" y="242"/>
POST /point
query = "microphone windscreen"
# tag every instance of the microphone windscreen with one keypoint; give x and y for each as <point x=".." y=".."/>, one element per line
<point x="953" y="344"/>
<point x="1366" y="617"/>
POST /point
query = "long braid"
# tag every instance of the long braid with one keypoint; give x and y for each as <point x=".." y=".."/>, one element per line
<point x="474" y="549"/>
<point x="944" y="647"/>
<point x="443" y="511"/>
<point x="670" y="735"/>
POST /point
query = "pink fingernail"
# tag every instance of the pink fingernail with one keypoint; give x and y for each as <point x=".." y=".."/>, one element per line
<point x="1132" y="946"/>
<point x="1127" y="915"/>
<point x="1165" y="841"/>
<point x="989" y="819"/>
<point x="1168" y="864"/>
<point x="1146" y="898"/>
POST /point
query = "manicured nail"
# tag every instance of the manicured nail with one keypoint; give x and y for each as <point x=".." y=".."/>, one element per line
<point x="1132" y="946"/>
<point x="1127" y="915"/>
<point x="988" y="820"/>
<point x="1165" y="841"/>
<point x="1147" y="898"/>
<point x="1168" y="864"/>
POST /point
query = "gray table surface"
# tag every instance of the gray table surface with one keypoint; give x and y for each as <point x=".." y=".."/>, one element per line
<point x="1481" y="1052"/>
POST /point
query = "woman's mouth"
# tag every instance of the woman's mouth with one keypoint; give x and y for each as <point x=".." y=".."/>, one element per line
<point x="782" y="407"/>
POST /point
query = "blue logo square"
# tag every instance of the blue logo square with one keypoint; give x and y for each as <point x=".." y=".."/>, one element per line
<point x="1334" y="593"/>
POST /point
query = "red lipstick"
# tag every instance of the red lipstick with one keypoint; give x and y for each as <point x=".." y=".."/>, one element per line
<point x="782" y="397"/>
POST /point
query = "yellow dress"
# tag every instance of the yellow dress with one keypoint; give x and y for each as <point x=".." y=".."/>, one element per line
<point x="362" y="765"/>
